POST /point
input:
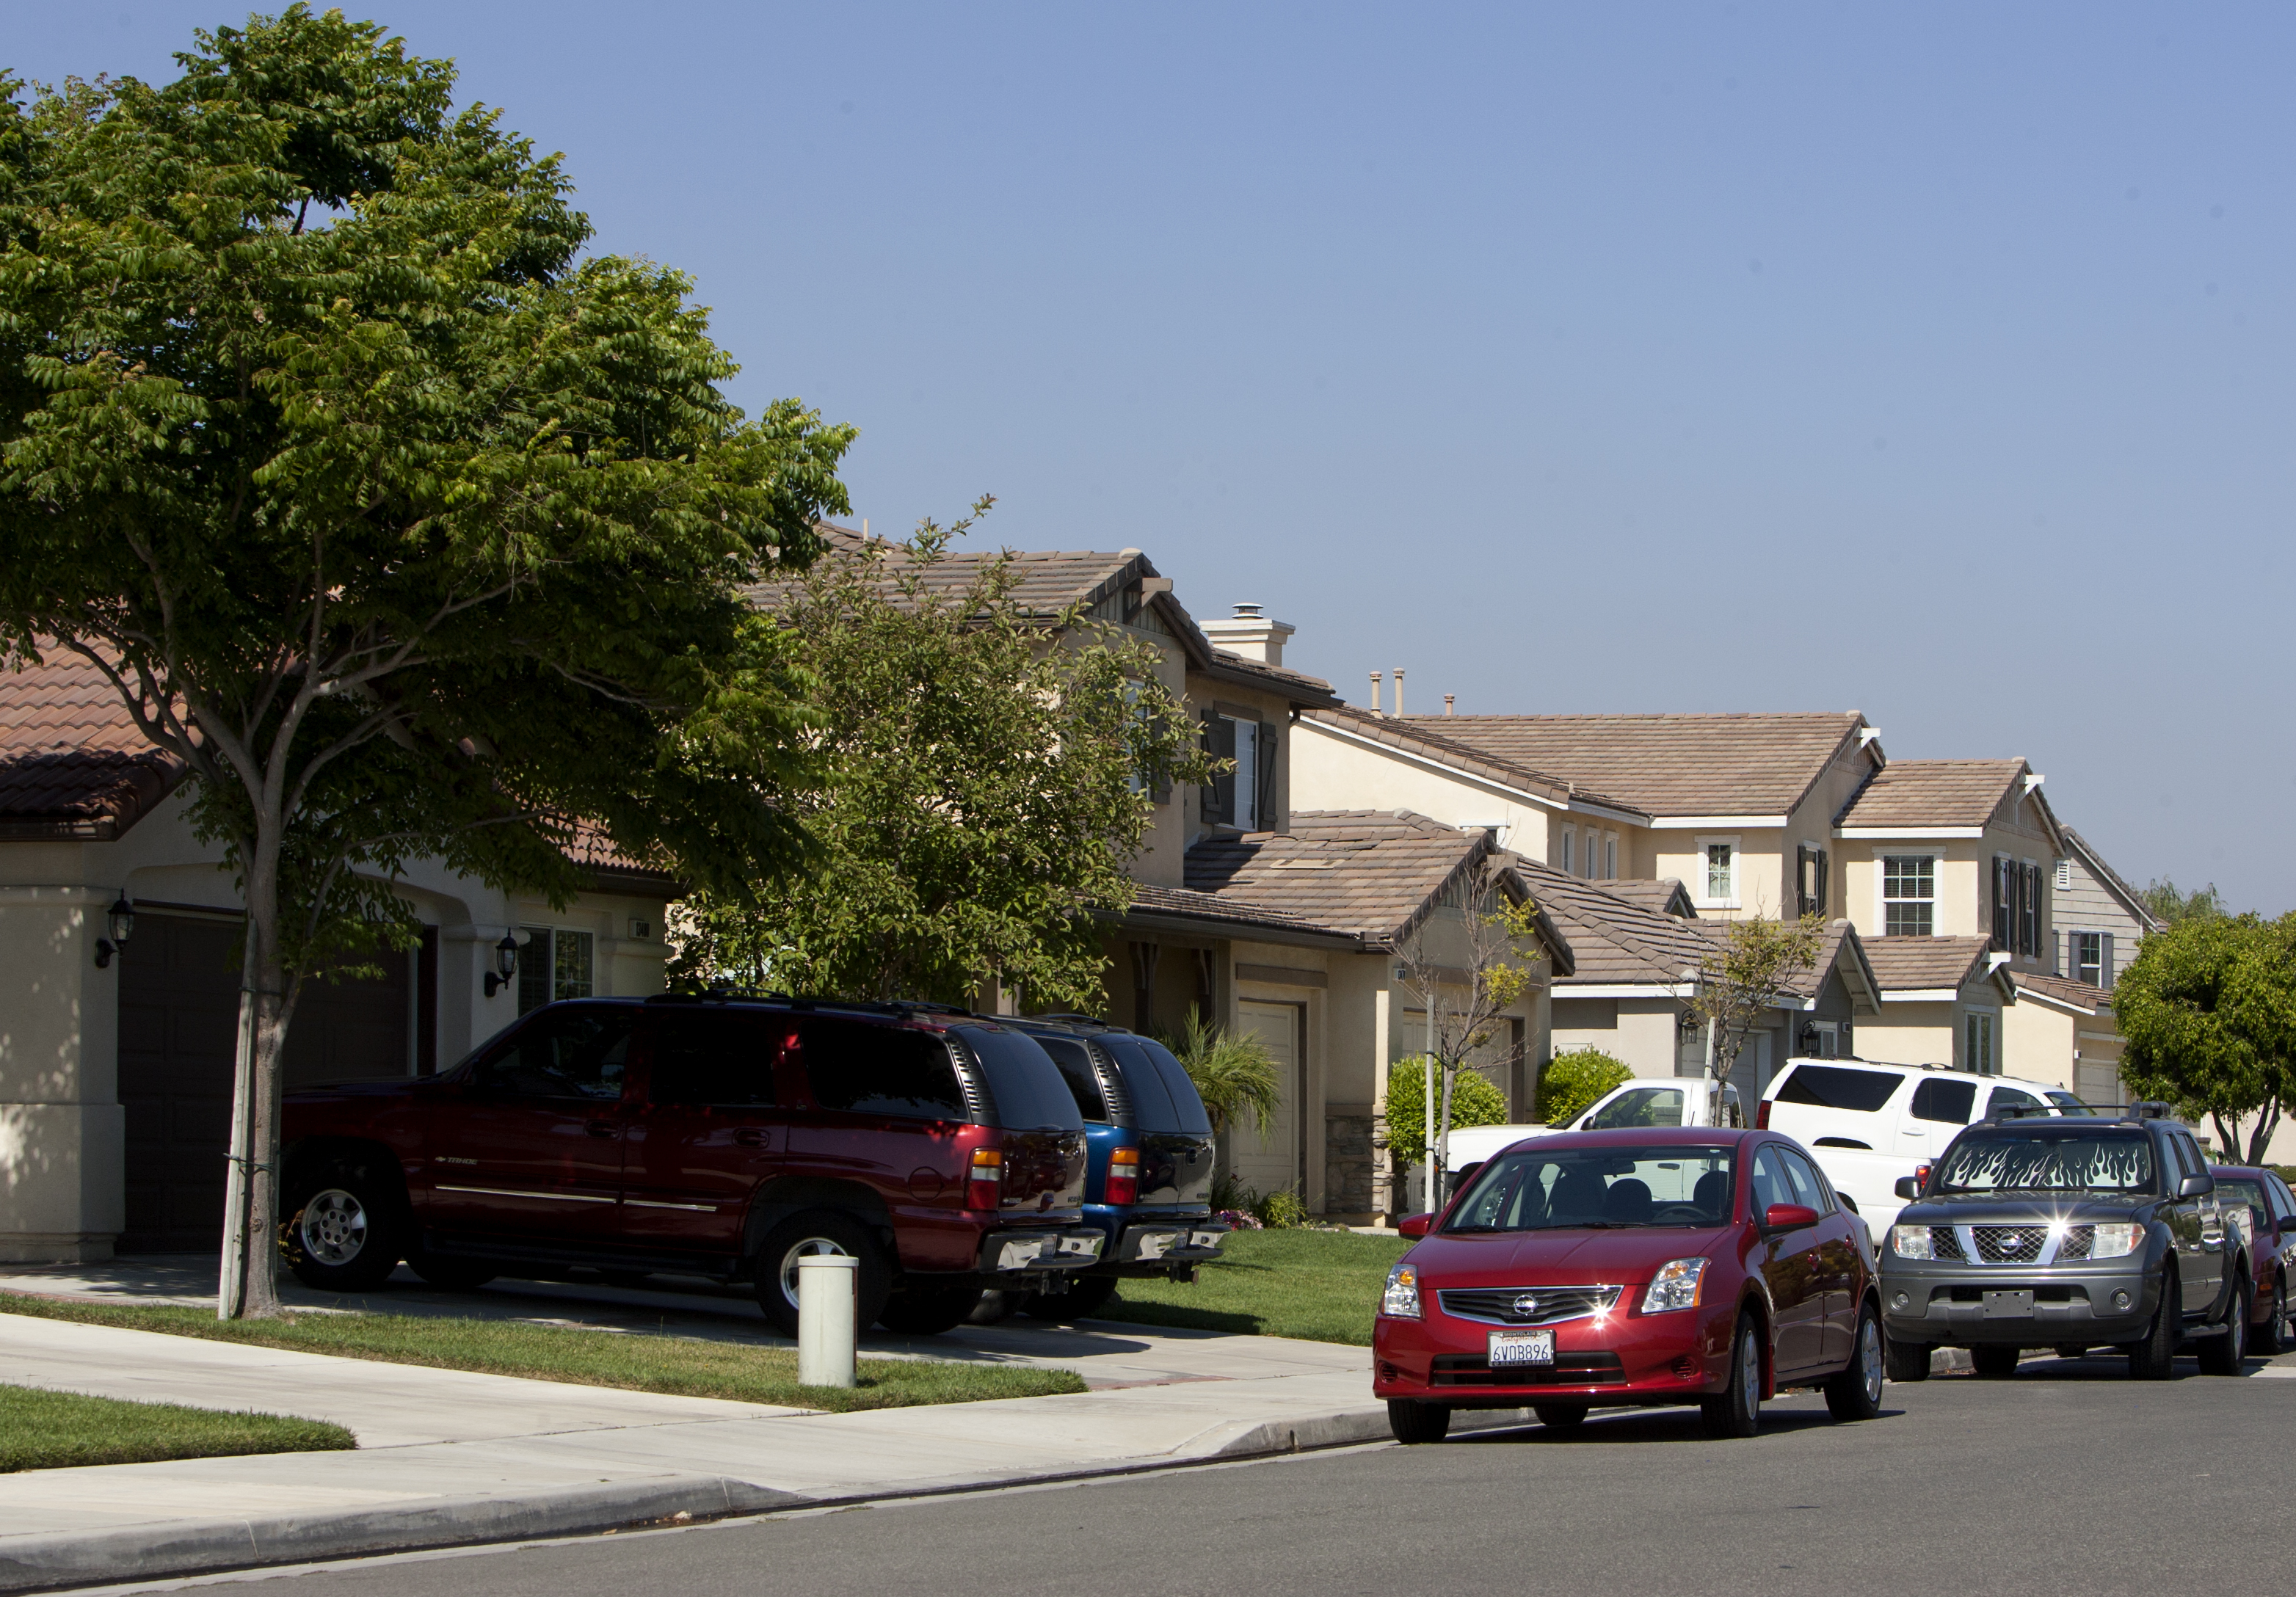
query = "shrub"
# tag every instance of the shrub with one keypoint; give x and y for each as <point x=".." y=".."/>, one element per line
<point x="1234" y="1074"/>
<point x="1573" y="1080"/>
<point x="1474" y="1101"/>
<point x="1280" y="1210"/>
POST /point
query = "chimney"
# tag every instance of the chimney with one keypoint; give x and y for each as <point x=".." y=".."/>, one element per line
<point x="1399" y="690"/>
<point x="1251" y="633"/>
<point x="1374" y="695"/>
<point x="1448" y="700"/>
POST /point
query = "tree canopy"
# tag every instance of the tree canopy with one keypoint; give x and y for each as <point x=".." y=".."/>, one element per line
<point x="2171" y="904"/>
<point x="989" y="772"/>
<point x="2208" y="1010"/>
<point x="405" y="526"/>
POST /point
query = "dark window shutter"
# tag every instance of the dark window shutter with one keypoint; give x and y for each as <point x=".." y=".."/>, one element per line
<point x="2104" y="961"/>
<point x="1219" y="797"/>
<point x="1263" y="770"/>
<point x="1825" y="897"/>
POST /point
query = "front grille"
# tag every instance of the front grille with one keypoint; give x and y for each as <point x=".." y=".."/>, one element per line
<point x="2009" y="1244"/>
<point x="1567" y="1370"/>
<point x="1945" y="1242"/>
<point x="2078" y="1240"/>
<point x="1549" y="1305"/>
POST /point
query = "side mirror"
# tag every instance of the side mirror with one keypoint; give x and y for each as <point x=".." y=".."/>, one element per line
<point x="2197" y="1186"/>
<point x="1788" y="1216"/>
<point x="1908" y="1189"/>
<point x="1414" y="1226"/>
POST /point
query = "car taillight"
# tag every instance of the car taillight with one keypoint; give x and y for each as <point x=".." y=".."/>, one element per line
<point x="987" y="1187"/>
<point x="1124" y="1175"/>
<point x="1762" y="1116"/>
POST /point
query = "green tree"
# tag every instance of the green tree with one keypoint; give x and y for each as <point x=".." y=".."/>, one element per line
<point x="990" y="773"/>
<point x="1575" y="1079"/>
<point x="407" y="530"/>
<point x="2208" y="1008"/>
<point x="2172" y="906"/>
<point x="1475" y="1101"/>
<point x="1746" y="972"/>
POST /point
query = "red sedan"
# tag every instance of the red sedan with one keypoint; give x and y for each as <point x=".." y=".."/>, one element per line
<point x="1642" y="1266"/>
<point x="2270" y="1222"/>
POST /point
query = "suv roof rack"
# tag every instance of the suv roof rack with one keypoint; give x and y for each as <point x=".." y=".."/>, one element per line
<point x="1062" y="1018"/>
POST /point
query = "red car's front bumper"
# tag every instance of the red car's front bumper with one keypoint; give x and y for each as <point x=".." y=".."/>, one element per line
<point x="1621" y="1357"/>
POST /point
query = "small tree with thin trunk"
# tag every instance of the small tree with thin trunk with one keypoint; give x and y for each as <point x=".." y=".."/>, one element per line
<point x="2208" y="1008"/>
<point x="1746" y="973"/>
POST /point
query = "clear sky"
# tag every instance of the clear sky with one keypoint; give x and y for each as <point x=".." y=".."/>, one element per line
<point x="1932" y="361"/>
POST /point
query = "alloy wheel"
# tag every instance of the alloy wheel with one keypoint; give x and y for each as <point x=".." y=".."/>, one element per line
<point x="333" y="1227"/>
<point x="1749" y="1374"/>
<point x="1869" y="1361"/>
<point x="807" y="1248"/>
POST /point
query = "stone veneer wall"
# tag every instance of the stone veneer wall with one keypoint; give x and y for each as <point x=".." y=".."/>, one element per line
<point x="1349" y="1165"/>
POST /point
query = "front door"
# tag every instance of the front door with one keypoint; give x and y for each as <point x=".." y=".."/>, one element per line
<point x="529" y="1149"/>
<point x="707" y="1130"/>
<point x="1790" y="1266"/>
<point x="1270" y="1163"/>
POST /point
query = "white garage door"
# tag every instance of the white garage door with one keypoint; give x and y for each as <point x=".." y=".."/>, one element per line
<point x="1273" y="1162"/>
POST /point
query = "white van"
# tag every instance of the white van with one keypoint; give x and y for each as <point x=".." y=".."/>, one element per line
<point x="1645" y="1101"/>
<point x="1867" y="1124"/>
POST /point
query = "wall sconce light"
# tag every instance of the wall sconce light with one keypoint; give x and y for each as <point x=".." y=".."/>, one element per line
<point x="505" y="969"/>
<point x="1809" y="1039"/>
<point x="122" y="916"/>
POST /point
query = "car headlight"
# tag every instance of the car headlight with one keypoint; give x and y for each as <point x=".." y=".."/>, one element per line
<point x="1675" y="1286"/>
<point x="2117" y="1239"/>
<point x="1911" y="1241"/>
<point x="1400" y="1301"/>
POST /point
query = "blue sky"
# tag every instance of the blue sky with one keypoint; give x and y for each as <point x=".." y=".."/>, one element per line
<point x="1935" y="361"/>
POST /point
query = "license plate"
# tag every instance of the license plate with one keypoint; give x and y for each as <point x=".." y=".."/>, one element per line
<point x="1521" y="1348"/>
<point x="2008" y="1305"/>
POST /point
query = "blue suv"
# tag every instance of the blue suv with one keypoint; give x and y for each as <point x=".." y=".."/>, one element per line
<point x="1148" y="1160"/>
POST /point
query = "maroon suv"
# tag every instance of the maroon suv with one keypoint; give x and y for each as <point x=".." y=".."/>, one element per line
<point x="719" y="1138"/>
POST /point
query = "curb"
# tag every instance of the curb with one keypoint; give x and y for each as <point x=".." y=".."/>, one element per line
<point x="213" y="1546"/>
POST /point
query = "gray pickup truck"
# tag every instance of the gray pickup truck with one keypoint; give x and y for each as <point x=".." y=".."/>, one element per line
<point x="2066" y="1233"/>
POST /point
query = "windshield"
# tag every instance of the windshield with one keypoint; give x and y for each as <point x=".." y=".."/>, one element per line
<point x="1533" y="1189"/>
<point x="1644" y="1106"/>
<point x="2067" y="1104"/>
<point x="2233" y="1190"/>
<point x="2038" y="1162"/>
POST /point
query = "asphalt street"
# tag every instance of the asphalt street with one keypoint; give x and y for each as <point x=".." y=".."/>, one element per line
<point x="2069" y="1478"/>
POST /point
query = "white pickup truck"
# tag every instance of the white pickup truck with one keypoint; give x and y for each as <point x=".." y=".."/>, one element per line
<point x="1645" y="1101"/>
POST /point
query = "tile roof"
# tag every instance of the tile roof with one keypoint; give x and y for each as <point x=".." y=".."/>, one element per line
<point x="1666" y="895"/>
<point x="1227" y="909"/>
<point x="72" y="761"/>
<point x="2114" y="883"/>
<point x="1908" y="964"/>
<point x="1410" y="734"/>
<point x="2064" y="989"/>
<point x="1932" y="792"/>
<point x="1613" y="939"/>
<point x="1368" y="872"/>
<point x="1665" y="764"/>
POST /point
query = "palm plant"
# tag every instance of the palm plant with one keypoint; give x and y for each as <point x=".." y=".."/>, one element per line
<point x="1234" y="1074"/>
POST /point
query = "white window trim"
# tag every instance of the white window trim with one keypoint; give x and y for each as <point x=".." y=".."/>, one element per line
<point x="1936" y="890"/>
<point x="1564" y="865"/>
<point x="1993" y="1026"/>
<point x="1609" y="857"/>
<point x="1699" y="898"/>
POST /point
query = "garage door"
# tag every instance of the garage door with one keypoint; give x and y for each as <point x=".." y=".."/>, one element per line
<point x="1274" y="1162"/>
<point x="178" y="1023"/>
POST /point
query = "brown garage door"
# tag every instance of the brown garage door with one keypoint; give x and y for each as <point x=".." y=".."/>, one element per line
<point x="178" y="1022"/>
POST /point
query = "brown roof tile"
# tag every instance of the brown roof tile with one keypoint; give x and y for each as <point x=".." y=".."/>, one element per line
<point x="1932" y="792"/>
<point x="1227" y="909"/>
<point x="72" y="761"/>
<point x="1613" y="939"/>
<point x="1907" y="963"/>
<point x="1368" y="872"/>
<point x="2064" y="989"/>
<point x="1412" y="735"/>
<point x="1664" y="765"/>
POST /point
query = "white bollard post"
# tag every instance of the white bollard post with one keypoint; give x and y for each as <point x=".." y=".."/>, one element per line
<point x="827" y="1284"/>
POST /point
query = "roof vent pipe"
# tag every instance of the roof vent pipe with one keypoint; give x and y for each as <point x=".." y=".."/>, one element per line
<point x="1448" y="700"/>
<point x="1375" y="694"/>
<point x="1398" y="690"/>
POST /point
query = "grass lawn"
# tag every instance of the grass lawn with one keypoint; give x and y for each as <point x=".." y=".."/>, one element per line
<point x="684" y="1365"/>
<point x="55" y="1431"/>
<point x="1322" y="1286"/>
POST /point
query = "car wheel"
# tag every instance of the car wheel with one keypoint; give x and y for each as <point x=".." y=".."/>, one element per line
<point x="2272" y="1335"/>
<point x="1906" y="1361"/>
<point x="1082" y="1301"/>
<point x="2226" y="1354"/>
<point x="928" y="1311"/>
<point x="819" y="1231"/>
<point x="2156" y="1357"/>
<point x="1993" y="1362"/>
<point x="1737" y="1411"/>
<point x="344" y="1237"/>
<point x="1855" y="1393"/>
<point x="1560" y="1416"/>
<point x="450" y="1274"/>
<point x="1414" y="1423"/>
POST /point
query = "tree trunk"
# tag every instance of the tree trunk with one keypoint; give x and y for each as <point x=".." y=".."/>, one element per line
<point x="2260" y="1141"/>
<point x="249" y="1287"/>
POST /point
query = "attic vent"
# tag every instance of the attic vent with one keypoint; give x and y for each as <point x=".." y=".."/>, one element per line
<point x="2065" y="876"/>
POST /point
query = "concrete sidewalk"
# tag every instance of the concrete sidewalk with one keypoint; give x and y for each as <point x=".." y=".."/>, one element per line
<point x="448" y="1457"/>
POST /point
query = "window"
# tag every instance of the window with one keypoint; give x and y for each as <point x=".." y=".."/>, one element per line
<point x="1909" y="895"/>
<point x="552" y="964"/>
<point x="2029" y="909"/>
<point x="2091" y="957"/>
<point x="1979" y="1028"/>
<point x="1564" y="861"/>
<point x="1812" y="893"/>
<point x="1594" y="856"/>
<point x="1077" y="1068"/>
<point x="1235" y="796"/>
<point x="1945" y="1103"/>
<point x="2005" y="1099"/>
<point x="1644" y="1106"/>
<point x="2002" y="924"/>
<point x="1808" y="1189"/>
<point x="1832" y="1086"/>
<point x="866" y="1070"/>
<point x="1719" y="860"/>
<point x="567" y="1053"/>
<point x="1610" y="858"/>
<point x="1771" y="1182"/>
<point x="703" y="1057"/>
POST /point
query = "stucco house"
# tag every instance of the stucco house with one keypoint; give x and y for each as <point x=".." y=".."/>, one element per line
<point x="116" y="1053"/>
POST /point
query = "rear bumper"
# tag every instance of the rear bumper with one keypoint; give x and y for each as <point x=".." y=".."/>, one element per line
<point x="1949" y="1305"/>
<point x="1018" y="1253"/>
<point x="1152" y="1247"/>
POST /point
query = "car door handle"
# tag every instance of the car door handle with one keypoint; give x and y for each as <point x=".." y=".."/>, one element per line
<point x="750" y="1136"/>
<point x="603" y="1128"/>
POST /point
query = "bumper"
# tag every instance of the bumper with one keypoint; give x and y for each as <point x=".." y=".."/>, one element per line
<point x="1034" y="1252"/>
<point x="1153" y="1247"/>
<point x="1621" y="1359"/>
<point x="1956" y="1304"/>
